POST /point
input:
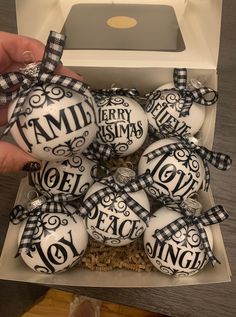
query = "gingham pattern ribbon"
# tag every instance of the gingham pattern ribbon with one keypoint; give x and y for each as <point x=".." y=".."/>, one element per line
<point x="219" y="160"/>
<point x="212" y="216"/>
<point x="55" y="204"/>
<point x="23" y="81"/>
<point x="100" y="94"/>
<point x="188" y="96"/>
<point x="141" y="182"/>
<point x="99" y="152"/>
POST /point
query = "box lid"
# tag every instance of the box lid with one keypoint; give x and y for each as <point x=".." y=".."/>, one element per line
<point x="135" y="33"/>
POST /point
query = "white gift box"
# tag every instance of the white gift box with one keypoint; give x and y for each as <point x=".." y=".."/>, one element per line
<point x="188" y="35"/>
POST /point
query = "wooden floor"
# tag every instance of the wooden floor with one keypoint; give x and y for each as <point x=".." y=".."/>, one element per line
<point x="59" y="304"/>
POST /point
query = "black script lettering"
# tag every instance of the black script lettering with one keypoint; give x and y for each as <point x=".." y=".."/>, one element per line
<point x="57" y="254"/>
<point x="51" y="174"/>
<point x="131" y="223"/>
<point x="182" y="259"/>
<point x="101" y="219"/>
<point x="66" y="180"/>
<point x="112" y="225"/>
<point x="197" y="263"/>
<point x="156" y="251"/>
<point x="186" y="182"/>
<point x="39" y="131"/>
<point x="69" y="243"/>
<point x="43" y="257"/>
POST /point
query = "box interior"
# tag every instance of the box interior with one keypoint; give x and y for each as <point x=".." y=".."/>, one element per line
<point x="199" y="22"/>
<point x="12" y="268"/>
<point x="146" y="70"/>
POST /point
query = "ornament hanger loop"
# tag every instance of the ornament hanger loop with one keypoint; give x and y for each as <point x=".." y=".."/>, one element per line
<point x="194" y="84"/>
<point x="32" y="194"/>
<point x="32" y="67"/>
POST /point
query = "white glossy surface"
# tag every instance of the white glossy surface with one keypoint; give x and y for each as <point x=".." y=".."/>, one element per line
<point x="183" y="254"/>
<point x="112" y="222"/>
<point x="57" y="124"/>
<point x="175" y="176"/>
<point x="122" y="124"/>
<point x="58" y="245"/>
<point x="73" y="176"/>
<point x="165" y="109"/>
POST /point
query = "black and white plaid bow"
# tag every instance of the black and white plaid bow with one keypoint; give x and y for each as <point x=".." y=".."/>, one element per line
<point x="188" y="95"/>
<point x="23" y="81"/>
<point x="123" y="190"/>
<point x="99" y="152"/>
<point x="54" y="204"/>
<point x="100" y="94"/>
<point x="212" y="216"/>
<point x="219" y="160"/>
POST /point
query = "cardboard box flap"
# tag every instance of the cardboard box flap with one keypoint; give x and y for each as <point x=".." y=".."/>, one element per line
<point x="134" y="32"/>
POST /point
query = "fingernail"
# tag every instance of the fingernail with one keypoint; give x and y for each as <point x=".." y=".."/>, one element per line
<point x="31" y="167"/>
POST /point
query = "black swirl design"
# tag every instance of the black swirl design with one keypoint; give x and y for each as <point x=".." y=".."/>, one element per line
<point x="42" y="269"/>
<point x="111" y="101"/>
<point x="115" y="204"/>
<point x="120" y="147"/>
<point x="75" y="162"/>
<point x="187" y="237"/>
<point x="188" y="159"/>
<point x="83" y="189"/>
<point x="45" y="95"/>
<point x="48" y="223"/>
<point x="69" y="148"/>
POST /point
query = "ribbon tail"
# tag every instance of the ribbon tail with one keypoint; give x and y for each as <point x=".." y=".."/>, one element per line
<point x="139" y="210"/>
<point x="28" y="233"/>
<point x="206" y="244"/>
<point x="219" y="160"/>
<point x="180" y="78"/>
<point x="52" y="53"/>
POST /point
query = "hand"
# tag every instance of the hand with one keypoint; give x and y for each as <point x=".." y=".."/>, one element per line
<point x="12" y="57"/>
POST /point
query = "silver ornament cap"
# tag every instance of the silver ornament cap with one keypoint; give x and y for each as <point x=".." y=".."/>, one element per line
<point x="124" y="174"/>
<point x="192" y="205"/>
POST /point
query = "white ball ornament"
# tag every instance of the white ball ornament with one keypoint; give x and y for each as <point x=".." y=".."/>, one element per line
<point x="58" y="243"/>
<point x="183" y="254"/>
<point x="56" y="122"/>
<point x="111" y="221"/>
<point x="178" y="174"/>
<point x="73" y="176"/>
<point x="164" y="107"/>
<point x="122" y="124"/>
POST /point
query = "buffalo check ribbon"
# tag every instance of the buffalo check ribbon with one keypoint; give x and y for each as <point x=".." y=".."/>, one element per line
<point x="202" y="95"/>
<point x="212" y="216"/>
<point x="99" y="152"/>
<point x="21" y="82"/>
<point x="100" y="94"/>
<point x="219" y="160"/>
<point x="54" y="204"/>
<point x="123" y="190"/>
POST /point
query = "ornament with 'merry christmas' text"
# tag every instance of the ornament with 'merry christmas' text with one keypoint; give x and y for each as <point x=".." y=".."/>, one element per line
<point x="122" y="124"/>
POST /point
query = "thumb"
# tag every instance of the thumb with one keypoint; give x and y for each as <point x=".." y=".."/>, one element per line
<point x="13" y="159"/>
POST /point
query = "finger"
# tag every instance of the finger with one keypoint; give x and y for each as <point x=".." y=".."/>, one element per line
<point x="3" y="115"/>
<point x="12" y="48"/>
<point x="13" y="159"/>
